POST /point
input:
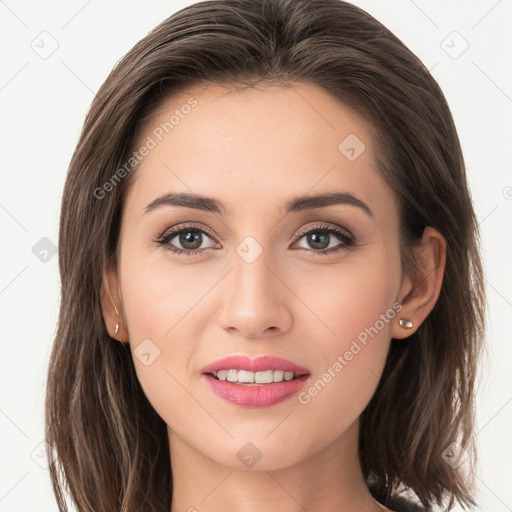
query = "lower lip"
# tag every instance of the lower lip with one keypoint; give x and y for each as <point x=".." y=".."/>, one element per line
<point x="257" y="395"/>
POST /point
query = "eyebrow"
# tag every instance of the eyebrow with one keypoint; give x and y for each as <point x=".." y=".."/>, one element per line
<point x="298" y="204"/>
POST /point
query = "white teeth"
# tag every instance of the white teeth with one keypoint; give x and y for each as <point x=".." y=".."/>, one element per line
<point x="264" y="377"/>
<point x="232" y="375"/>
<point x="222" y="374"/>
<point x="278" y="375"/>
<point x="245" y="377"/>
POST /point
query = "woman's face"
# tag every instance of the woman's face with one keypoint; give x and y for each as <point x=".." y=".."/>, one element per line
<point x="259" y="285"/>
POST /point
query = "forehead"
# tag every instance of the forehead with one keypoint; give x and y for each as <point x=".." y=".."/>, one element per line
<point x="257" y="144"/>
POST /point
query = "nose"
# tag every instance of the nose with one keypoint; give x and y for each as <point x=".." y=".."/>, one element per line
<point x="256" y="300"/>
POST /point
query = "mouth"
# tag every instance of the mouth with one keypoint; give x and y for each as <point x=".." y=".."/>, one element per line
<point x="259" y="382"/>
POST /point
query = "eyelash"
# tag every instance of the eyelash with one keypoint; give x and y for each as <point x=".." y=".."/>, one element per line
<point x="344" y="236"/>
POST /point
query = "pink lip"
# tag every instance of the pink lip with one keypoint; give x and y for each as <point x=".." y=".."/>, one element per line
<point x="260" y="364"/>
<point x="255" y="395"/>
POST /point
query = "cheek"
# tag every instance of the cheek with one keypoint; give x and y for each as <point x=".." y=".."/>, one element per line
<point x="357" y="308"/>
<point x="157" y="303"/>
<point x="160" y="294"/>
<point x="345" y="300"/>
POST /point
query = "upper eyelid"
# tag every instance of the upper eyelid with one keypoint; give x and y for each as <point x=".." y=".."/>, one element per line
<point x="323" y="226"/>
<point x="176" y="230"/>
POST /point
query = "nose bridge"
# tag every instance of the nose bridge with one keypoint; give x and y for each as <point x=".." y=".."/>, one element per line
<point x="252" y="259"/>
<point x="255" y="298"/>
<point x="252" y="281"/>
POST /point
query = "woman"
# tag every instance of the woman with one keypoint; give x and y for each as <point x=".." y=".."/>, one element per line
<point x="272" y="293"/>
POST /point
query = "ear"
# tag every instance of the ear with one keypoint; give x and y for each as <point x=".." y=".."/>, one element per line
<point x="420" y="293"/>
<point x="111" y="305"/>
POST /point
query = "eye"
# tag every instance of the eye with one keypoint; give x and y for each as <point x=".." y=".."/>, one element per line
<point x="189" y="237"/>
<point x="322" y="236"/>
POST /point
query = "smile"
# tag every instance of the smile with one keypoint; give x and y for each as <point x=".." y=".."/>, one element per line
<point x="259" y="382"/>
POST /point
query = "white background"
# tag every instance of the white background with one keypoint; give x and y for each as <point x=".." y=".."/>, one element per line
<point x="42" y="107"/>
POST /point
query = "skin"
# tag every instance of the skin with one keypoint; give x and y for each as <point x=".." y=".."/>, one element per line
<point x="254" y="150"/>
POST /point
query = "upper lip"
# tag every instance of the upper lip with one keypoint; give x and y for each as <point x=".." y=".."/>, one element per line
<point x="258" y="364"/>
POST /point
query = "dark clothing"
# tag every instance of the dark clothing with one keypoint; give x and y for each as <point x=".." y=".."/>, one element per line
<point x="399" y="503"/>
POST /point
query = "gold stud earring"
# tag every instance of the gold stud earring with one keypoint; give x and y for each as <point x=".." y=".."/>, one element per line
<point x="406" y="324"/>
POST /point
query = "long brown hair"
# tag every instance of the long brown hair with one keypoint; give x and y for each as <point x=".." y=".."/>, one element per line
<point x="109" y="447"/>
